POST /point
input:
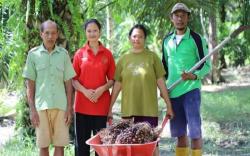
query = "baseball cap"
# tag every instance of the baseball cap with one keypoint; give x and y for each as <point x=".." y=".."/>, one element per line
<point x="180" y="6"/>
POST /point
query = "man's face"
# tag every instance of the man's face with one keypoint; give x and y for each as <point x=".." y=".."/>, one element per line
<point x="180" y="19"/>
<point x="49" y="35"/>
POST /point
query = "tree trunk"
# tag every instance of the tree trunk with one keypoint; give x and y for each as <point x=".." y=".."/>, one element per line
<point x="109" y="29"/>
<point x="215" y="77"/>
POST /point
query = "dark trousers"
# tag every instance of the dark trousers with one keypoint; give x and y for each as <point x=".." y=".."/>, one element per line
<point x="84" y="125"/>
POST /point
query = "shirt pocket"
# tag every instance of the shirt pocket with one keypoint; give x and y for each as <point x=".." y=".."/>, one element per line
<point x="59" y="71"/>
<point x="41" y="70"/>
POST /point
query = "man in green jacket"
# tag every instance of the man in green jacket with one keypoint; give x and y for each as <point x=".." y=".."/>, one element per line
<point x="180" y="54"/>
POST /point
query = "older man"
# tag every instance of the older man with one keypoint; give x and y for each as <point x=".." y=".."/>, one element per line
<point x="48" y="72"/>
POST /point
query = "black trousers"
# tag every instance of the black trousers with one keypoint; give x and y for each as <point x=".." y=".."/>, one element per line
<point x="84" y="125"/>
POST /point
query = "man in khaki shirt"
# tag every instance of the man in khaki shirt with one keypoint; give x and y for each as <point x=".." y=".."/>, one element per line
<point x="48" y="72"/>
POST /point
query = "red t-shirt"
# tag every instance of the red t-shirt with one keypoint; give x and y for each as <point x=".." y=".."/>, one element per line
<point x="93" y="71"/>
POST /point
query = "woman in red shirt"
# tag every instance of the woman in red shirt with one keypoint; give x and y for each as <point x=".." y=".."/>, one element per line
<point x="94" y="66"/>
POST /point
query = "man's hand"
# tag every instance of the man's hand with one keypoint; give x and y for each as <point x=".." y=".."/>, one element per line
<point x="34" y="118"/>
<point x="68" y="116"/>
<point x="188" y="76"/>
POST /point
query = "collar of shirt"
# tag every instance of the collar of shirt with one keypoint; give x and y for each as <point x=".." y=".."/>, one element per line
<point x="100" y="48"/>
<point x="43" y="49"/>
<point x="186" y="34"/>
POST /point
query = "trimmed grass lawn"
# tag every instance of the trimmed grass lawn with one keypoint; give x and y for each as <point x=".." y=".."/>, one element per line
<point x="226" y="124"/>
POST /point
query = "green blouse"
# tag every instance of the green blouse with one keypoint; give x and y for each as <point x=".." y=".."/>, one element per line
<point x="138" y="74"/>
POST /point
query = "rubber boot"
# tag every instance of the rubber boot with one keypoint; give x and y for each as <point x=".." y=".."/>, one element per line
<point x="181" y="151"/>
<point x="196" y="152"/>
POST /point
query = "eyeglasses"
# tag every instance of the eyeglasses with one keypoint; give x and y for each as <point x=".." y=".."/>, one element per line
<point x="182" y="16"/>
<point x="50" y="33"/>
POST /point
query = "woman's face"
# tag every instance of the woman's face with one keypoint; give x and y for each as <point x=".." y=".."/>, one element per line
<point x="92" y="32"/>
<point x="137" y="38"/>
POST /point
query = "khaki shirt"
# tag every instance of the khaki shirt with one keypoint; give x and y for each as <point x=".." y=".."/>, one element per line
<point x="138" y="74"/>
<point x="49" y="71"/>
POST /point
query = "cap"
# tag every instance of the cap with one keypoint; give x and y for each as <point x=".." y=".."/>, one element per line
<point x="180" y="6"/>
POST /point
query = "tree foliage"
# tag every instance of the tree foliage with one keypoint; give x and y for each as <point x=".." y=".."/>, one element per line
<point x="233" y="14"/>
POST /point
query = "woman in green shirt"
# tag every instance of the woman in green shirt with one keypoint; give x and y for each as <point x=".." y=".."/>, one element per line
<point x="138" y="74"/>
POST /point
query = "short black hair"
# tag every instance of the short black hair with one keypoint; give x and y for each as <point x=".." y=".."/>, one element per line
<point x="139" y="26"/>
<point x="45" y="22"/>
<point x="93" y="20"/>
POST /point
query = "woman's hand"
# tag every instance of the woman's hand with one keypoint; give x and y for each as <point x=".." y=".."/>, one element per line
<point x="170" y="112"/>
<point x="89" y="93"/>
<point x="110" y="115"/>
<point x="97" y="93"/>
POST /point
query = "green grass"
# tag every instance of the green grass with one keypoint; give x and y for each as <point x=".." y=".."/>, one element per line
<point x="226" y="106"/>
<point x="226" y="121"/>
<point x="226" y="127"/>
<point x="4" y="109"/>
<point x="27" y="147"/>
<point x="19" y="147"/>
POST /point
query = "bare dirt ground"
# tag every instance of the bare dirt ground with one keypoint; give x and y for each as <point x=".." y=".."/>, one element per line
<point x="7" y="123"/>
<point x="7" y="132"/>
<point x="235" y="78"/>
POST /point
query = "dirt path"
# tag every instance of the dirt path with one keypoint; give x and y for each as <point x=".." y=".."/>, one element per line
<point x="6" y="134"/>
<point x="235" y="78"/>
<point x="7" y="123"/>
